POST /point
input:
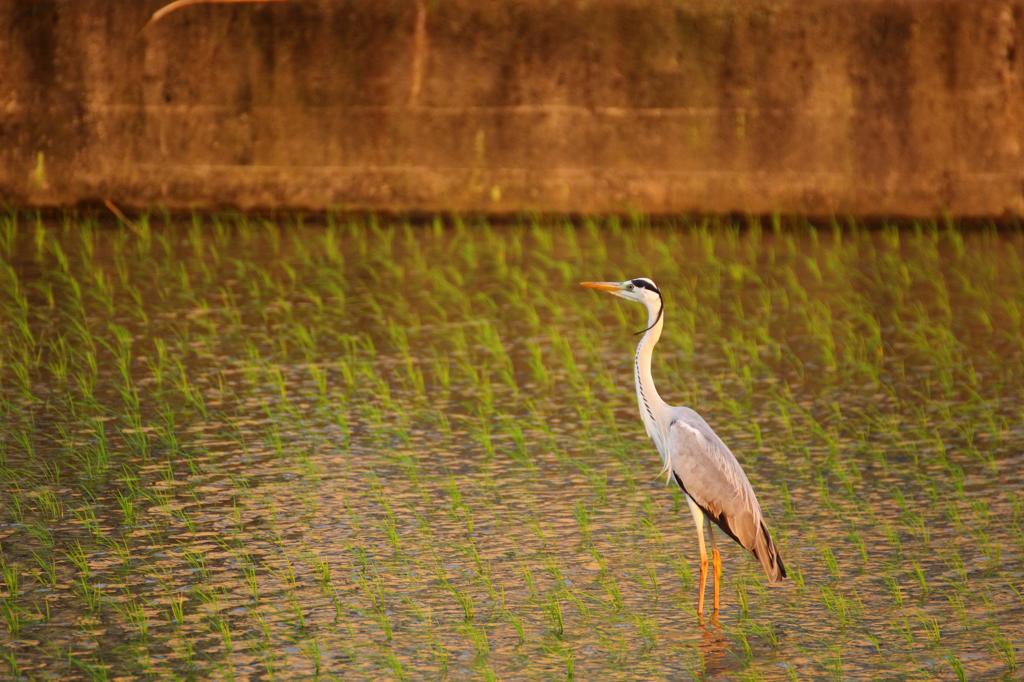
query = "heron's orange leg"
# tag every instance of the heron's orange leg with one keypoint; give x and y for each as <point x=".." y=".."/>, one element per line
<point x="716" y="564"/>
<point x="698" y="520"/>
<point x="703" y="580"/>
<point x="716" y="561"/>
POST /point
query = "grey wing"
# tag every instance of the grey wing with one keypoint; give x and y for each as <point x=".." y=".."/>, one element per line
<point x="708" y="472"/>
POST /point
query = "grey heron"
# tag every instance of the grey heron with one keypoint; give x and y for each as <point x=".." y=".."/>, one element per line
<point x="715" y="486"/>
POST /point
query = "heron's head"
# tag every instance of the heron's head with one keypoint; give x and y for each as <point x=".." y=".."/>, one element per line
<point x="639" y="289"/>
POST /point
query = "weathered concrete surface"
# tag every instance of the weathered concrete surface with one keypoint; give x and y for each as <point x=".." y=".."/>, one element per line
<point x="816" y="106"/>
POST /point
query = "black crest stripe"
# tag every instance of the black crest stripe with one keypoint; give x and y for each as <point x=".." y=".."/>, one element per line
<point x="644" y="284"/>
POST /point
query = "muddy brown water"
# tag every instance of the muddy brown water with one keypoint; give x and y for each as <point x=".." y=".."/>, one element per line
<point x="381" y="450"/>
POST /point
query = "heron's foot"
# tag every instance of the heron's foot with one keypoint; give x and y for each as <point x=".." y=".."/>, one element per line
<point x="712" y="621"/>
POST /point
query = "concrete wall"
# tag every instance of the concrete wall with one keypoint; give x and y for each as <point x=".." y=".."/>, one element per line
<point x="819" y="106"/>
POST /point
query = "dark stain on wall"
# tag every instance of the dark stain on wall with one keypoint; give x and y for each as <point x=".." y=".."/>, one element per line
<point x="34" y="25"/>
<point x="880" y="72"/>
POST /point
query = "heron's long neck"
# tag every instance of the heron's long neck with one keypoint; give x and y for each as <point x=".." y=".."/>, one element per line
<point x="651" y="404"/>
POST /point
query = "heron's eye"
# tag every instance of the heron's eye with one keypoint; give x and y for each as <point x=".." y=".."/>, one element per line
<point x="630" y="287"/>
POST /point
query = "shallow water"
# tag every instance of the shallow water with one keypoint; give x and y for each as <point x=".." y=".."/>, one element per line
<point x="234" y="446"/>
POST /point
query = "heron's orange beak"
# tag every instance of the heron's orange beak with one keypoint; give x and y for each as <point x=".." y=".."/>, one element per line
<point x="610" y="287"/>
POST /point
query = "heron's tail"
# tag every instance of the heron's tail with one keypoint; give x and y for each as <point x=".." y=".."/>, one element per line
<point x="768" y="554"/>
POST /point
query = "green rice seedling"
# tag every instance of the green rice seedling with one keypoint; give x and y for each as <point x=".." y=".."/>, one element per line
<point x="251" y="581"/>
<point x="47" y="568"/>
<point x="583" y="518"/>
<point x="320" y="380"/>
<point x="191" y="393"/>
<point x="298" y="615"/>
<point x="197" y="561"/>
<point x="931" y="628"/>
<point x="95" y="456"/>
<point x="126" y="501"/>
<point x="186" y="519"/>
<point x="681" y="568"/>
<point x="21" y="372"/>
<point x="612" y="591"/>
<point x="86" y="515"/>
<point x="49" y="505"/>
<point x="12" y="663"/>
<point x="16" y="505"/>
<point x="11" y="578"/>
<point x="512" y="619"/>
<point x="477" y="637"/>
<point x="465" y="602"/>
<point x="957" y="666"/>
<point x="742" y="599"/>
<point x="922" y="581"/>
<point x="118" y="547"/>
<point x="177" y="608"/>
<point x="91" y="594"/>
<point x="892" y="535"/>
<point x="12" y="615"/>
<point x="97" y="672"/>
<point x="519" y="452"/>
<point x="649" y="581"/>
<point x="223" y="628"/>
<point x="394" y="665"/>
<point x="8" y="234"/>
<point x="59" y="360"/>
<point x="838" y="605"/>
<point x="902" y="626"/>
<point x="135" y="614"/>
<point x="895" y="590"/>
<point x="830" y="561"/>
<point x="1004" y="647"/>
<point x="311" y="648"/>
<point x="483" y="437"/>
<point x="765" y="631"/>
<point x="158" y="363"/>
<point x="323" y="572"/>
<point x="959" y="606"/>
<point x="834" y="664"/>
<point x="747" y="654"/>
<point x="77" y="556"/>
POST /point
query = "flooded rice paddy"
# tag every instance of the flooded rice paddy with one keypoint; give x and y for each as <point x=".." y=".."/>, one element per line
<point x="240" y="447"/>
